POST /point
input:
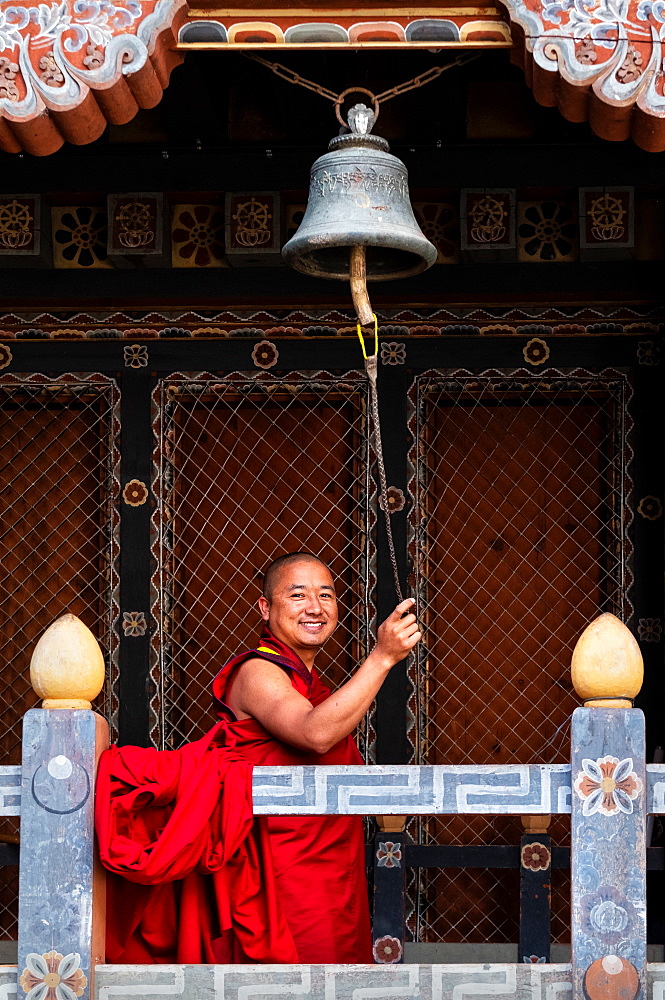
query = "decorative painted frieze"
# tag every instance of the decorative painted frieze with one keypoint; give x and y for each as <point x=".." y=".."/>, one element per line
<point x="197" y="236"/>
<point x="533" y="326"/>
<point x="535" y="979"/>
<point x="439" y="222"/>
<point x="339" y="982"/>
<point x="79" y="237"/>
<point x="20" y="228"/>
<point x="606" y="217"/>
<point x="252" y="228"/>
<point x="547" y="231"/>
<point x="606" y="222"/>
<point x="391" y="788"/>
<point x="135" y="224"/>
<point x="488" y="220"/>
<point x="391" y="26"/>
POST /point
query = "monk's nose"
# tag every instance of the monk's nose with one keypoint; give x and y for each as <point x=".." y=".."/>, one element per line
<point x="314" y="606"/>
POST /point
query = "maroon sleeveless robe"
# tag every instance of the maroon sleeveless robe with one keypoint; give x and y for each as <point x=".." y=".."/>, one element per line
<point x="319" y="861"/>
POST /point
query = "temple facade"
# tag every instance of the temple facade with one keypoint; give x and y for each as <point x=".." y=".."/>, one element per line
<point x="179" y="407"/>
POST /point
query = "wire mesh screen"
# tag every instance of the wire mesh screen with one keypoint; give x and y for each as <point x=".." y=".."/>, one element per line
<point x="57" y="544"/>
<point x="519" y="544"/>
<point x="251" y="470"/>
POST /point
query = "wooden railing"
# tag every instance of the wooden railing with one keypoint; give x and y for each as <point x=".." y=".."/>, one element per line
<point x="607" y="788"/>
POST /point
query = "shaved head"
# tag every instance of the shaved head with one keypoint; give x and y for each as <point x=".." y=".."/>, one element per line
<point x="273" y="570"/>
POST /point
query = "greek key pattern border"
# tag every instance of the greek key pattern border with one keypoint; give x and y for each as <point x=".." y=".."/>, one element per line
<point x="385" y="789"/>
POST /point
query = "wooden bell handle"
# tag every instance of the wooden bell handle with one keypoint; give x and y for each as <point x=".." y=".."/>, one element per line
<point x="358" y="277"/>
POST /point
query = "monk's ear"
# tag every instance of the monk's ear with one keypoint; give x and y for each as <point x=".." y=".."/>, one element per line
<point x="264" y="608"/>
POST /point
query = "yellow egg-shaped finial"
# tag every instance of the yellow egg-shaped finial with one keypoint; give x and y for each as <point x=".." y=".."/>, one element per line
<point x="67" y="666"/>
<point x="607" y="667"/>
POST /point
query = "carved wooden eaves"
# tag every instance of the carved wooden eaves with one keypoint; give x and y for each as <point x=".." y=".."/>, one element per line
<point x="69" y="67"/>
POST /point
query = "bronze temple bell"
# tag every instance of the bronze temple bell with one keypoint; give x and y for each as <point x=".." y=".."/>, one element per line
<point x="359" y="225"/>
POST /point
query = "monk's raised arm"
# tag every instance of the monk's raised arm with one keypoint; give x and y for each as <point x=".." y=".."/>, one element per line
<point x="261" y="690"/>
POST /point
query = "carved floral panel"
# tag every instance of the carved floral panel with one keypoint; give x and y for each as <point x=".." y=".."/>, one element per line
<point x="253" y="225"/>
<point x="197" y="236"/>
<point x="79" y="237"/>
<point x="19" y="224"/>
<point x="488" y="219"/>
<point x="135" y="223"/>
<point x="606" y="217"/>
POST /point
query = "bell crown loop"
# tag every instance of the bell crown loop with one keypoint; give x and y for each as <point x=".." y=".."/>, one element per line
<point x="361" y="119"/>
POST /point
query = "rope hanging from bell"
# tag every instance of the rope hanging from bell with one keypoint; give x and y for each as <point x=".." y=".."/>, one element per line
<point x="359" y="226"/>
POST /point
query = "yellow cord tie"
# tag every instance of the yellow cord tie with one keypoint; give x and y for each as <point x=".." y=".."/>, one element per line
<point x="376" y="338"/>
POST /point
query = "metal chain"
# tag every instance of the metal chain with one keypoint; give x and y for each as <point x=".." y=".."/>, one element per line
<point x="291" y="76"/>
<point x="402" y="88"/>
<point x="371" y="368"/>
<point x="422" y="79"/>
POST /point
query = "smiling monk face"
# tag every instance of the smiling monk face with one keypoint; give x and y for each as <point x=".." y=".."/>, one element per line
<point x="299" y="604"/>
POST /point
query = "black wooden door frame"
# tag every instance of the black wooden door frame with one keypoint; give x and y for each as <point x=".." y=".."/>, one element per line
<point x="163" y="357"/>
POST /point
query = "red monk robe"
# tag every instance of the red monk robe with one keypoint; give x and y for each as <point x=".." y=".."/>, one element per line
<point x="221" y="887"/>
<point x="319" y="860"/>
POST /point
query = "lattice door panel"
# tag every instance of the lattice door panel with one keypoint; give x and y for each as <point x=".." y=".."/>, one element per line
<point x="249" y="472"/>
<point x="57" y="538"/>
<point x="520" y="543"/>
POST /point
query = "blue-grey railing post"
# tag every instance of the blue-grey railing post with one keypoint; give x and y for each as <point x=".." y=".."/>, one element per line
<point x="608" y="820"/>
<point x="61" y="889"/>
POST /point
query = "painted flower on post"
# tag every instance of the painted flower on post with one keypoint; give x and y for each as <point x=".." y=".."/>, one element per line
<point x="395" y="500"/>
<point x="533" y="959"/>
<point x="536" y="857"/>
<point x="265" y="354"/>
<point x="647" y="352"/>
<point x="5" y="356"/>
<point x="133" y="623"/>
<point x="649" y="629"/>
<point x="136" y="356"/>
<point x="387" y="950"/>
<point x="135" y="493"/>
<point x="389" y="855"/>
<point x="52" y="977"/>
<point x="649" y="507"/>
<point x="536" y="351"/>
<point x="607" y="913"/>
<point x="607" y="785"/>
<point x="393" y="353"/>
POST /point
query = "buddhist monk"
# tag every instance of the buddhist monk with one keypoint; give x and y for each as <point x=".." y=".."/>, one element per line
<point x="275" y="710"/>
<point x="194" y="877"/>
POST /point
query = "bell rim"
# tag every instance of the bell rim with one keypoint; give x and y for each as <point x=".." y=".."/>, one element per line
<point x="300" y="262"/>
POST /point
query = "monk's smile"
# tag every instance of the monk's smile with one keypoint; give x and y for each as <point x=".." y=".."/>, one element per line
<point x="313" y="627"/>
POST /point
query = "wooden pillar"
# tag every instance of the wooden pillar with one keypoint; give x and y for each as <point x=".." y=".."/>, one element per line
<point x="389" y="882"/>
<point x="608" y="848"/>
<point x="535" y="890"/>
<point x="61" y="888"/>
